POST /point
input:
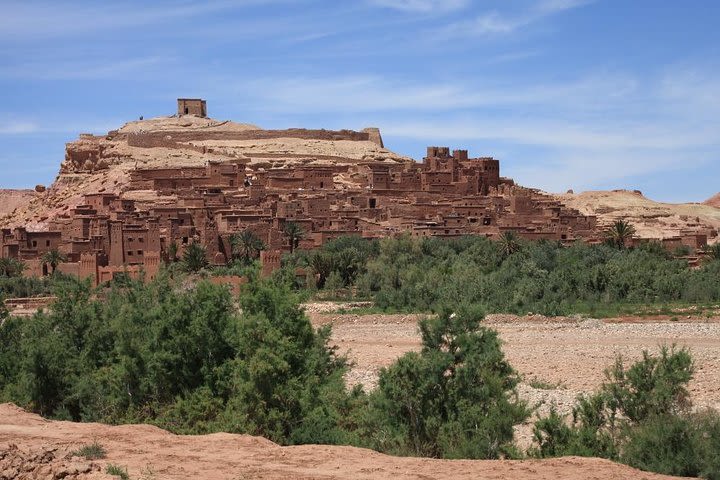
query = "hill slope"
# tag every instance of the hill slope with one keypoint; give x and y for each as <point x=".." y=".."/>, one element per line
<point x="102" y="164"/>
<point x="651" y="219"/>
<point x="150" y="451"/>
<point x="713" y="201"/>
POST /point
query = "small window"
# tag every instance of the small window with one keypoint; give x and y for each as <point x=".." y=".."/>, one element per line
<point x="141" y="240"/>
<point x="139" y="252"/>
<point x="34" y="243"/>
<point x="185" y="240"/>
<point x="486" y="221"/>
<point x="130" y="254"/>
<point x="130" y="239"/>
<point x="47" y="243"/>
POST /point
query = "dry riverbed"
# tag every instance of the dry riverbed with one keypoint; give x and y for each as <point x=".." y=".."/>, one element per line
<point x="565" y="356"/>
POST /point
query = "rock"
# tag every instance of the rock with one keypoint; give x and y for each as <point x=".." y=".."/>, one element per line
<point x="40" y="188"/>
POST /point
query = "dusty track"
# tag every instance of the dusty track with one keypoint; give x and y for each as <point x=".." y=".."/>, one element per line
<point x="151" y="453"/>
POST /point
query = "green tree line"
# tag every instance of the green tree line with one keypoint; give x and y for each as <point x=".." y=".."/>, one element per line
<point x="508" y="275"/>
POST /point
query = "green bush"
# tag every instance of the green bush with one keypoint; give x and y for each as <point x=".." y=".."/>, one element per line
<point x="640" y="417"/>
<point x="655" y="385"/>
<point x="454" y="399"/>
<point x="663" y="444"/>
<point x="183" y="359"/>
<point x="686" y="445"/>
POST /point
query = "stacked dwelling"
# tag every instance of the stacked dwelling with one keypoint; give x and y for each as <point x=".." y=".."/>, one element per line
<point x="449" y="194"/>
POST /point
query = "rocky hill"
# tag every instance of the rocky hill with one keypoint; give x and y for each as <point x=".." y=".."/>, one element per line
<point x="32" y="447"/>
<point x="651" y="219"/>
<point x="13" y="199"/>
<point x="713" y="201"/>
<point x="102" y="164"/>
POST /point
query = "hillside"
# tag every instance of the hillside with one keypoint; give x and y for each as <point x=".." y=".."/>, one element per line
<point x="102" y="164"/>
<point x="40" y="448"/>
<point x="12" y="199"/>
<point x="713" y="201"/>
<point x="651" y="219"/>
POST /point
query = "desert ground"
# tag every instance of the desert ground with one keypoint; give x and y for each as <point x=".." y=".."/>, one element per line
<point x="34" y="448"/>
<point x="562" y="356"/>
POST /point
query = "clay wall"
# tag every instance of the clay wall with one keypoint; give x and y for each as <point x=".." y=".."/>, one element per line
<point x="233" y="282"/>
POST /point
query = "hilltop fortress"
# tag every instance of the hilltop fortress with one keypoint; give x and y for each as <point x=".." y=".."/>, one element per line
<point x="121" y="200"/>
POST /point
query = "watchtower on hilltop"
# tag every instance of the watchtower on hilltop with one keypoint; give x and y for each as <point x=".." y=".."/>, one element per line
<point x="192" y="106"/>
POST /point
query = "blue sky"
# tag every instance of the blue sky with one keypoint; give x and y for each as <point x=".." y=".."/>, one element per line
<point x="574" y="94"/>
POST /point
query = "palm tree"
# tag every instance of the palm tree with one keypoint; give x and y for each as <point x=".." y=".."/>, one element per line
<point x="294" y="233"/>
<point x="246" y="246"/>
<point x="620" y="233"/>
<point x="10" y="267"/>
<point x="509" y="243"/>
<point x="53" y="258"/>
<point x="172" y="252"/>
<point x="322" y="264"/>
<point x="195" y="257"/>
<point x="348" y="264"/>
<point x="712" y="251"/>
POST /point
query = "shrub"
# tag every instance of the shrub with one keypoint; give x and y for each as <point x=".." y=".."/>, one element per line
<point x="663" y="444"/>
<point x="426" y="274"/>
<point x="183" y="359"/>
<point x="685" y="445"/>
<point x="640" y="417"/>
<point x="655" y="385"/>
<point x="285" y="378"/>
<point x="117" y="471"/>
<point x="93" y="451"/>
<point x="454" y="399"/>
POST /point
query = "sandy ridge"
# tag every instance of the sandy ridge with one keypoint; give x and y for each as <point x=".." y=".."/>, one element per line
<point x="143" y="448"/>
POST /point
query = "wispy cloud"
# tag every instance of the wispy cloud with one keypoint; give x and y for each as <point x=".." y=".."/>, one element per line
<point x="17" y="127"/>
<point x="54" y="19"/>
<point x="591" y="131"/>
<point x="362" y="93"/>
<point x="58" y="69"/>
<point x="422" y="6"/>
<point x="495" y="22"/>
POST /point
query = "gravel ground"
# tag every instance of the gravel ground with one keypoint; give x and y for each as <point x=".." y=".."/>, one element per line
<point x="567" y="356"/>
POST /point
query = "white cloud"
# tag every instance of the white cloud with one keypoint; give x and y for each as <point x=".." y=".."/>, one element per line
<point x="593" y="131"/>
<point x="496" y="23"/>
<point x="373" y="93"/>
<point x="423" y="6"/>
<point x="55" y="19"/>
<point x="57" y="69"/>
<point x="17" y="127"/>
